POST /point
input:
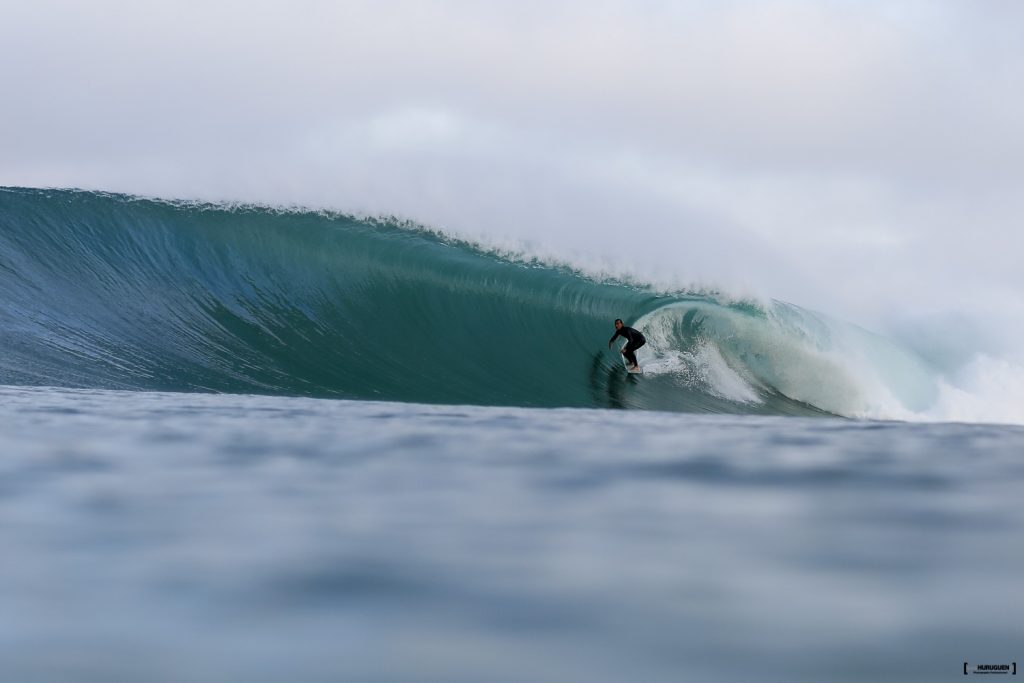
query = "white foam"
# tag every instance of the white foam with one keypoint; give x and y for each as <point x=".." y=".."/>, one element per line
<point x="704" y="367"/>
<point x="987" y="389"/>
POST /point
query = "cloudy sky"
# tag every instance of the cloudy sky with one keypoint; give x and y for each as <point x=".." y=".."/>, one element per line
<point x="863" y="158"/>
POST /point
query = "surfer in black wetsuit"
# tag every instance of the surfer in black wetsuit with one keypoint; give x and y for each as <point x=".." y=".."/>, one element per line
<point x="634" y="340"/>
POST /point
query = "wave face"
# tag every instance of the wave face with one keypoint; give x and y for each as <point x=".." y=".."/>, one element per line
<point x="110" y="291"/>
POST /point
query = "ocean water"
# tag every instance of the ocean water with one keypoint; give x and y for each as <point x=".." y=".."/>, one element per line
<point x="190" y="537"/>
<point x="243" y="443"/>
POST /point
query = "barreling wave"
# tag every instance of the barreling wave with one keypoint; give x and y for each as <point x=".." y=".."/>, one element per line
<point x="101" y="290"/>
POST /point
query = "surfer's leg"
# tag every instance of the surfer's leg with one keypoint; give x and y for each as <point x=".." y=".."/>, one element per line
<point x="628" y="353"/>
<point x="632" y="352"/>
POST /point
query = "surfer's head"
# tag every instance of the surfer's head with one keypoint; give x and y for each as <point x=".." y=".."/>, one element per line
<point x="618" y="323"/>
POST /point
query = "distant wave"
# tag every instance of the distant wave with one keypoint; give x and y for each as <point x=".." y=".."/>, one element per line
<point x="103" y="290"/>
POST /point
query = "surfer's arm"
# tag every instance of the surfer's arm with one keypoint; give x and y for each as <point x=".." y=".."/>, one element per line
<point x="617" y="333"/>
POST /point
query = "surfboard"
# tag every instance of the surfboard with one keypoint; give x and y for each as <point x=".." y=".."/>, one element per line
<point x="639" y="370"/>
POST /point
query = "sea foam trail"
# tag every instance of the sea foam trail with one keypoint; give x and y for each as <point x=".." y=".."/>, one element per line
<point x="101" y="290"/>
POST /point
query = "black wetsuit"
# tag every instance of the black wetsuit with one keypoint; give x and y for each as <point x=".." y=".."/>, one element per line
<point x="634" y="340"/>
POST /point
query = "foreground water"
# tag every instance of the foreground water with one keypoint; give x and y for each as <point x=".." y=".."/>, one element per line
<point x="190" y="537"/>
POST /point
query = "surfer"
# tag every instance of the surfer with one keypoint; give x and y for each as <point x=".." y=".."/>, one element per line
<point x="634" y="340"/>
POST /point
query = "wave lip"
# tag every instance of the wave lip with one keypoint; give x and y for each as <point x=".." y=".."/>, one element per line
<point x="112" y="291"/>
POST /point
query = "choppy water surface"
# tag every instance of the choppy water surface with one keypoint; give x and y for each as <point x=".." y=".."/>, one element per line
<point x="160" y="537"/>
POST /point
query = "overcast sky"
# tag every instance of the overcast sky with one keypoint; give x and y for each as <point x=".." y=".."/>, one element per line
<point x="861" y="158"/>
